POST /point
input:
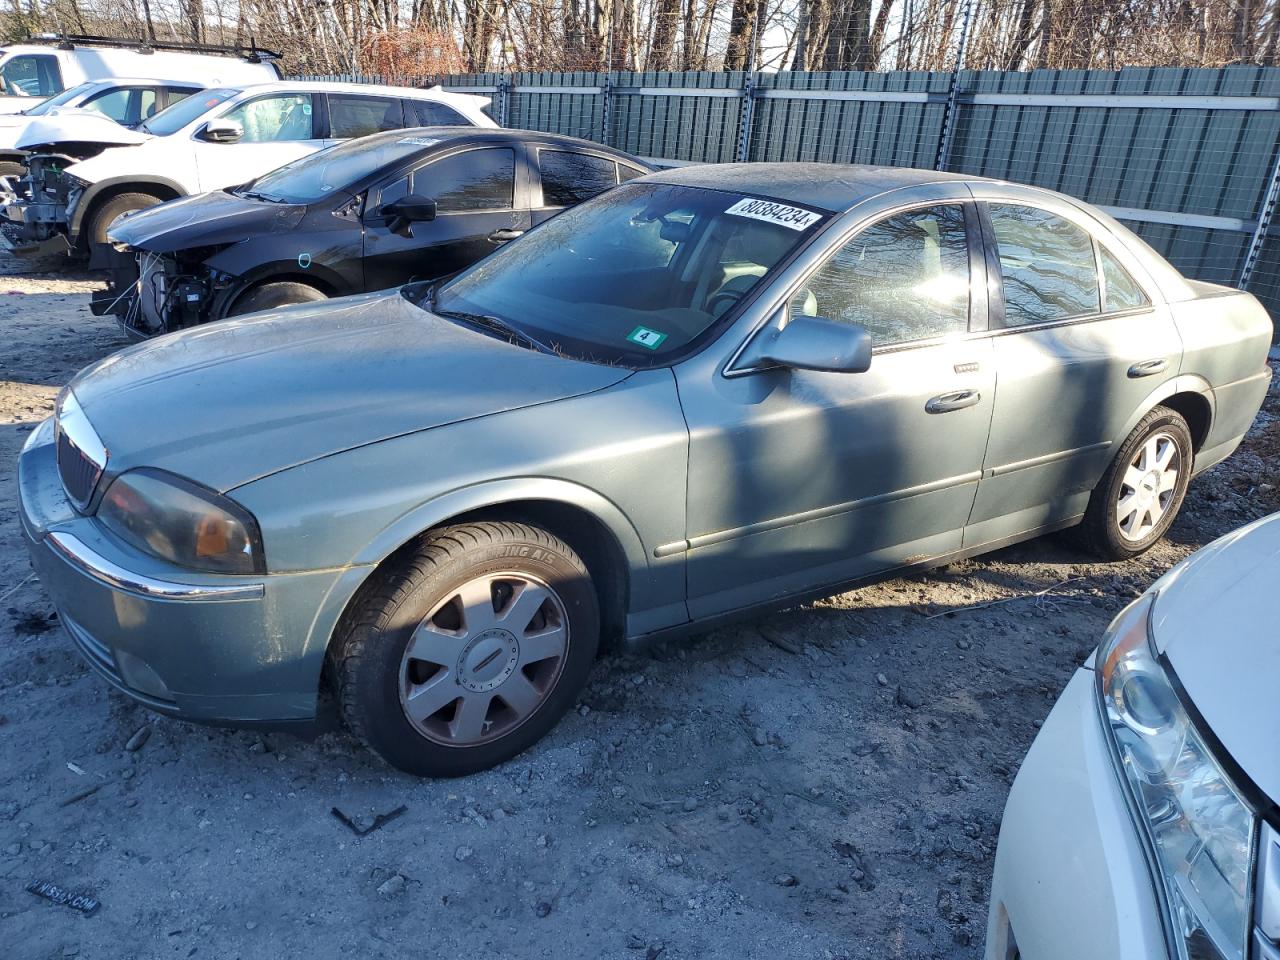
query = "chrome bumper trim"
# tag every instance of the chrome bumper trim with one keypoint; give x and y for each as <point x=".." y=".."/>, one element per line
<point x="100" y="568"/>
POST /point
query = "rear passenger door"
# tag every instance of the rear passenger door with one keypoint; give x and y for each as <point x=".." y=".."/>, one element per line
<point x="481" y="196"/>
<point x="1080" y="343"/>
<point x="568" y="177"/>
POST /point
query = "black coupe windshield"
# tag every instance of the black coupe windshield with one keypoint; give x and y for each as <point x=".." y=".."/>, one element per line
<point x="635" y="275"/>
<point x="174" y="118"/>
<point x="318" y="175"/>
<point x="59" y="99"/>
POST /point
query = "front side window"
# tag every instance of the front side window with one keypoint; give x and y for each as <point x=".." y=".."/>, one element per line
<point x="569" y="178"/>
<point x="1046" y="264"/>
<point x="274" y="119"/>
<point x="357" y="116"/>
<point x="31" y="75"/>
<point x="634" y="276"/>
<point x="905" y="278"/>
<point x="473" y="180"/>
<point x="1123" y="292"/>
<point x="113" y="103"/>
<point x="170" y="121"/>
<point x="432" y="114"/>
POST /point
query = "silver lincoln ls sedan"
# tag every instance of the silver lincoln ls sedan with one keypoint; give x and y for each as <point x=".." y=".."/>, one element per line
<point x="707" y="391"/>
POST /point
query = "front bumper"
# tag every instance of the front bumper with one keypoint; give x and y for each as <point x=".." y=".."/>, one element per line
<point x="213" y="649"/>
<point x="1071" y="878"/>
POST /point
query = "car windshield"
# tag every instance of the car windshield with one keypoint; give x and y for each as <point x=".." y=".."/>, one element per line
<point x="634" y="276"/>
<point x="59" y="99"/>
<point x="184" y="111"/>
<point x="318" y="175"/>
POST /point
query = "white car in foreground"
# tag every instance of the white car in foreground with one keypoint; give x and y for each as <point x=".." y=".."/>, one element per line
<point x="80" y="181"/>
<point x="1144" y="821"/>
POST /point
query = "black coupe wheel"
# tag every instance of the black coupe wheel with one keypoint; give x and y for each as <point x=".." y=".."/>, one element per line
<point x="1138" y="497"/>
<point x="469" y="650"/>
<point x="282" y="293"/>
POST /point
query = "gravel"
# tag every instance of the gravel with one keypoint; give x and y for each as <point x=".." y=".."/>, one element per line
<point x="823" y="782"/>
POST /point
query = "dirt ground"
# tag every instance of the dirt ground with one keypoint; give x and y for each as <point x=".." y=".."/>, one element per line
<point x="823" y="783"/>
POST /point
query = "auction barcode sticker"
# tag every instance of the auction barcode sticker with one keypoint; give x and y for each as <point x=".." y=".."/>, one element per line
<point x="793" y="218"/>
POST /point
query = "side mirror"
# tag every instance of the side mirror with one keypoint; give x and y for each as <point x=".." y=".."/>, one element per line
<point x="814" y="343"/>
<point x="222" y="131"/>
<point x="409" y="209"/>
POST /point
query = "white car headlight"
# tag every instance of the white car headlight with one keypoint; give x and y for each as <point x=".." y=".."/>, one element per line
<point x="1198" y="829"/>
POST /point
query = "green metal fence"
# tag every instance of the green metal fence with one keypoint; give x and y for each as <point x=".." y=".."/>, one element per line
<point x="1189" y="158"/>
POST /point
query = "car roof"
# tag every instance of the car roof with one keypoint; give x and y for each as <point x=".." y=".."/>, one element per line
<point x="504" y="135"/>
<point x="829" y="186"/>
<point x="372" y="89"/>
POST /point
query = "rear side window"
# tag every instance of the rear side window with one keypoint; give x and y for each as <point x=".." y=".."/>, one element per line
<point x="358" y="116"/>
<point x="1046" y="264"/>
<point x="171" y="95"/>
<point x="569" y="178"/>
<point x="905" y="278"/>
<point x="1123" y="292"/>
<point x="432" y="114"/>
<point x="472" y="180"/>
<point x="272" y="119"/>
<point x="31" y="75"/>
<point x="626" y="173"/>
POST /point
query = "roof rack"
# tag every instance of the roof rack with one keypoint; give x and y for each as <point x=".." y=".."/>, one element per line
<point x="69" y="41"/>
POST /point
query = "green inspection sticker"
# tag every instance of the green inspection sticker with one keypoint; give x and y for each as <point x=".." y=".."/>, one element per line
<point x="649" y="339"/>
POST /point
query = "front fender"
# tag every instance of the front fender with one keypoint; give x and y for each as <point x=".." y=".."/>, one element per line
<point x="171" y="189"/>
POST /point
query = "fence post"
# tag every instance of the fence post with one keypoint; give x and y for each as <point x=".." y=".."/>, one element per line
<point x="746" y="116"/>
<point x="504" y="95"/>
<point x="1265" y="216"/>
<point x="606" y="91"/>
<point x="953" y="94"/>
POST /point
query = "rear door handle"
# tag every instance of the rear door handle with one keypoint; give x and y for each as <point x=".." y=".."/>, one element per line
<point x="1147" y="368"/>
<point x="956" y="400"/>
<point x="502" y="236"/>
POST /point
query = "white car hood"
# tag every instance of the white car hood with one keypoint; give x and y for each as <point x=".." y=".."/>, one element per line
<point x="1215" y="621"/>
<point x="80" y="126"/>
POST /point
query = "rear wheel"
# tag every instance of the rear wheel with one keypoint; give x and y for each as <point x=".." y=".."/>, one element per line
<point x="470" y="649"/>
<point x="272" y="295"/>
<point x="111" y="210"/>
<point x="1138" y="497"/>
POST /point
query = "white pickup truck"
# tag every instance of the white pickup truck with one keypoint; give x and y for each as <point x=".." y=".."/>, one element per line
<point x="80" y="180"/>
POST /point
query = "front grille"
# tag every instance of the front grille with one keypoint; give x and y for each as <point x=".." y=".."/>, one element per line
<point x="79" y="473"/>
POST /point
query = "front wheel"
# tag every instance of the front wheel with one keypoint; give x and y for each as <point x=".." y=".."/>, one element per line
<point x="269" y="296"/>
<point x="1138" y="497"/>
<point x="109" y="211"/>
<point x="470" y="649"/>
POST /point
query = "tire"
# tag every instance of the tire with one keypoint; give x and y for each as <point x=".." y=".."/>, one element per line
<point x="1153" y="492"/>
<point x="107" y="212"/>
<point x="10" y="168"/>
<point x="502" y="686"/>
<point x="272" y="295"/>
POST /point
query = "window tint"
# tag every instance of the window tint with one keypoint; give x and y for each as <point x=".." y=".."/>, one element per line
<point x="472" y="180"/>
<point x="904" y="278"/>
<point x="1123" y="292"/>
<point x="432" y="114"/>
<point x="357" y="116"/>
<point x="569" y="178"/>
<point x="31" y="75"/>
<point x="286" y="117"/>
<point x="626" y="173"/>
<point x="171" y="95"/>
<point x="112" y="103"/>
<point x="1047" y="265"/>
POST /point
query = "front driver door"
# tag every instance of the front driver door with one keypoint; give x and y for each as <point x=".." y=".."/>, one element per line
<point x="480" y="204"/>
<point x="801" y="479"/>
<point x="278" y="128"/>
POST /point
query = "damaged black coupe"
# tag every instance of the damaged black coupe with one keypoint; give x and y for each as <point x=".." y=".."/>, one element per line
<point x="368" y="214"/>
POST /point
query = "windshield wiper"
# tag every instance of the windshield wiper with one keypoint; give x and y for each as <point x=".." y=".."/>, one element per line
<point x="265" y="198"/>
<point x="497" y="325"/>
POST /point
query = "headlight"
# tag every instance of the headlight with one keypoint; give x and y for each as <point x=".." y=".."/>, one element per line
<point x="1200" y="831"/>
<point x="183" y="522"/>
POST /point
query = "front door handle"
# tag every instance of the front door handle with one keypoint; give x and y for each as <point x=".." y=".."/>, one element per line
<point x="1147" y="368"/>
<point x="956" y="400"/>
<point x="502" y="236"/>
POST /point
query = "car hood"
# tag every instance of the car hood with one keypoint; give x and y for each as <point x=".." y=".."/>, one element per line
<point x="78" y="127"/>
<point x="1214" y="621"/>
<point x="240" y="399"/>
<point x="205" y="220"/>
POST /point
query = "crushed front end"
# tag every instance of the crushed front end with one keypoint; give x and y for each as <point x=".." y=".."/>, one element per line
<point x="150" y="294"/>
<point x="39" y="206"/>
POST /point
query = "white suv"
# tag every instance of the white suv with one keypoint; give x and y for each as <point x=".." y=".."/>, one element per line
<point x="219" y="138"/>
<point x="49" y="64"/>
<point x="127" y="101"/>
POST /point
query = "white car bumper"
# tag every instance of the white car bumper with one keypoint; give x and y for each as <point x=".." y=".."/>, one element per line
<point x="1071" y="879"/>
